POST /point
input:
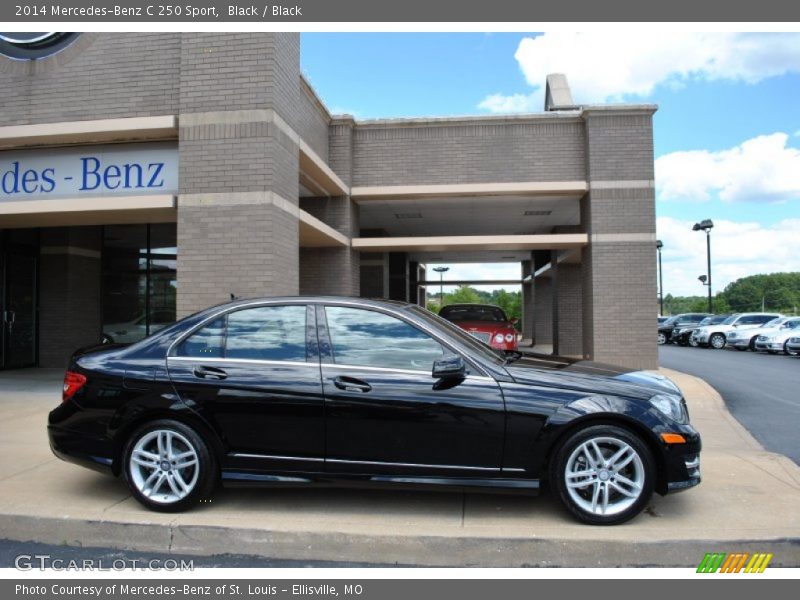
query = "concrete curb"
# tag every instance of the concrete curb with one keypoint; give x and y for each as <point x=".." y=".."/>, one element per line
<point x="428" y="551"/>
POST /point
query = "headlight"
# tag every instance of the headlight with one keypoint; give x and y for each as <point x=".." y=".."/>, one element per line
<point x="499" y="338"/>
<point x="509" y="337"/>
<point x="669" y="405"/>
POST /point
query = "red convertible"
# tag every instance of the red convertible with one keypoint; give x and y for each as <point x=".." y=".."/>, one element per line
<point x="486" y="322"/>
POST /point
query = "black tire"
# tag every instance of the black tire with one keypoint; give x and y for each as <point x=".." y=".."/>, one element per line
<point x="752" y="344"/>
<point x="786" y="350"/>
<point x="207" y="476"/>
<point x="571" y="444"/>
<point x="719" y="338"/>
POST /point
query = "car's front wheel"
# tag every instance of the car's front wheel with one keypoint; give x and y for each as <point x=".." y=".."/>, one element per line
<point x="787" y="351"/>
<point x="662" y="339"/>
<point x="168" y="466"/>
<point x="603" y="474"/>
<point x="717" y="341"/>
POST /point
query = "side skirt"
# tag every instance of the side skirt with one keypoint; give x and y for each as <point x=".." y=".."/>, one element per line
<point x="231" y="478"/>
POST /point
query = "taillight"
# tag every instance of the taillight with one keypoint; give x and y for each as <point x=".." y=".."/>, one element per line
<point x="72" y="383"/>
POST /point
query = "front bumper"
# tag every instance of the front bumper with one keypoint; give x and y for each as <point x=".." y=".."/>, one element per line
<point x="682" y="463"/>
<point x="700" y="338"/>
<point x="774" y="346"/>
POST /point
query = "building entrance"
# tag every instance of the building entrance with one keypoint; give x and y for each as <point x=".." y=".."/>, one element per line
<point x="19" y="260"/>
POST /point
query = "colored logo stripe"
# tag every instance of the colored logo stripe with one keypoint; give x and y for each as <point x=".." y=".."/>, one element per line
<point x="734" y="563"/>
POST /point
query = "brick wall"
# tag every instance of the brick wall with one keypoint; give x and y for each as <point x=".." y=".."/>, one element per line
<point x="69" y="292"/>
<point x="543" y="310"/>
<point x="100" y="76"/>
<point x="619" y="266"/>
<point x="568" y="296"/>
<point x="542" y="149"/>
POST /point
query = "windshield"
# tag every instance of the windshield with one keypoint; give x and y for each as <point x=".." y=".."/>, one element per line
<point x="774" y="322"/>
<point x="495" y="356"/>
<point x="730" y="320"/>
<point x="457" y="312"/>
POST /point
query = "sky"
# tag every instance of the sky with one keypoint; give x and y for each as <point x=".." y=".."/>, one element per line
<point x="726" y="135"/>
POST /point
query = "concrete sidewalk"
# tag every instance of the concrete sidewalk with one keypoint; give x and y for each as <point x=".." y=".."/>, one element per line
<point x="748" y="501"/>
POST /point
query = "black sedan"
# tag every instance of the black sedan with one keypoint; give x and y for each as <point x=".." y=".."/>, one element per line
<point x="669" y="329"/>
<point x="337" y="391"/>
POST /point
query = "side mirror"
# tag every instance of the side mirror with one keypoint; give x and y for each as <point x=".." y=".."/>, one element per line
<point x="513" y="320"/>
<point x="450" y="367"/>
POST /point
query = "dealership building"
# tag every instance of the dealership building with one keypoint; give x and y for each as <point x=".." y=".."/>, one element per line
<point x="147" y="176"/>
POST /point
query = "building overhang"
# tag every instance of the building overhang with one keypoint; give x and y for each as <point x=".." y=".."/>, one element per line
<point x="471" y="242"/>
<point x="112" y="210"/>
<point x="164" y="127"/>
<point x="521" y="188"/>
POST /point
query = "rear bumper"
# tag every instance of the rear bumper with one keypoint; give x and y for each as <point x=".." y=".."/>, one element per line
<point x="71" y="443"/>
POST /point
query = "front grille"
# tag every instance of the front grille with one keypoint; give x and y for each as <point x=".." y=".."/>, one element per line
<point x="484" y="337"/>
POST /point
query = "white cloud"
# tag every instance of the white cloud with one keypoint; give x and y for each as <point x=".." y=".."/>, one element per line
<point x="609" y="67"/>
<point x="763" y="168"/>
<point x="738" y="249"/>
<point x="499" y="103"/>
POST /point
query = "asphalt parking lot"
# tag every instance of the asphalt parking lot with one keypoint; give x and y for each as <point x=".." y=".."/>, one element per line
<point x="761" y="390"/>
<point x="745" y="504"/>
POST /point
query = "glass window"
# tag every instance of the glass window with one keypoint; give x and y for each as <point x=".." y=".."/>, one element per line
<point x="207" y="342"/>
<point x="139" y="281"/>
<point x="372" y="339"/>
<point x="267" y="333"/>
<point x="473" y="313"/>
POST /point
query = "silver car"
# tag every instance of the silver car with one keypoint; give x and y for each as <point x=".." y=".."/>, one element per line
<point x="777" y="340"/>
<point x="793" y="344"/>
<point x="748" y="338"/>
<point x="716" y="336"/>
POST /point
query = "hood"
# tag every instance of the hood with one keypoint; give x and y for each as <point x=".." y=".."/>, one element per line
<point x="590" y="376"/>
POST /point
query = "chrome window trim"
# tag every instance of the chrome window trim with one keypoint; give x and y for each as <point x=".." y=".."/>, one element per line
<point x="393" y="370"/>
<point x="246" y="361"/>
<point x="321" y="302"/>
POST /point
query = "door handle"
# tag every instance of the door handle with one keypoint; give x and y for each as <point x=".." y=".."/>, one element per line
<point x="351" y="384"/>
<point x="210" y="372"/>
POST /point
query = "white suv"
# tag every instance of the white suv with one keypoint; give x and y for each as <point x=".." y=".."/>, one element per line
<point x="716" y="336"/>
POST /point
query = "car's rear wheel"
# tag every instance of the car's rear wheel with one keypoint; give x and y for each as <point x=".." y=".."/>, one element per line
<point x="717" y="341"/>
<point x="168" y="466"/>
<point x="662" y="339"/>
<point x="603" y="474"/>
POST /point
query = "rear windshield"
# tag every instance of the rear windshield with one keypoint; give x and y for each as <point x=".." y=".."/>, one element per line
<point x="473" y="313"/>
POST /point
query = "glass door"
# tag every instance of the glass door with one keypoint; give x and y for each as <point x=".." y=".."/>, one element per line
<point x="18" y="290"/>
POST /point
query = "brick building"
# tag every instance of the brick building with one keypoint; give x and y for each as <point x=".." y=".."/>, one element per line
<point x="146" y="176"/>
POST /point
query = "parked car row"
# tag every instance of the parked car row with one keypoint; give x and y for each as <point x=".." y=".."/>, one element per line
<point x="755" y="331"/>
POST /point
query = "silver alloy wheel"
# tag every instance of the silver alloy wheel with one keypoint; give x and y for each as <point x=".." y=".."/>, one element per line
<point x="604" y="476"/>
<point x="717" y="341"/>
<point x="662" y="338"/>
<point x="164" y="466"/>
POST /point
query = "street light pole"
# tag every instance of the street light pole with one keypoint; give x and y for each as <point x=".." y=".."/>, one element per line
<point x="659" y="245"/>
<point x="441" y="271"/>
<point x="706" y="225"/>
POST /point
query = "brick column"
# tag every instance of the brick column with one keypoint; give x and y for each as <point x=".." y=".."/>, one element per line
<point x="527" y="302"/>
<point x="543" y="310"/>
<point x="69" y="292"/>
<point x="568" y="298"/>
<point x="334" y="271"/>
<point x="237" y="224"/>
<point x="619" y="267"/>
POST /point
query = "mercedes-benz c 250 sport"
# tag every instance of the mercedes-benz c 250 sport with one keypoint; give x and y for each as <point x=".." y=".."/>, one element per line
<point x="353" y="392"/>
